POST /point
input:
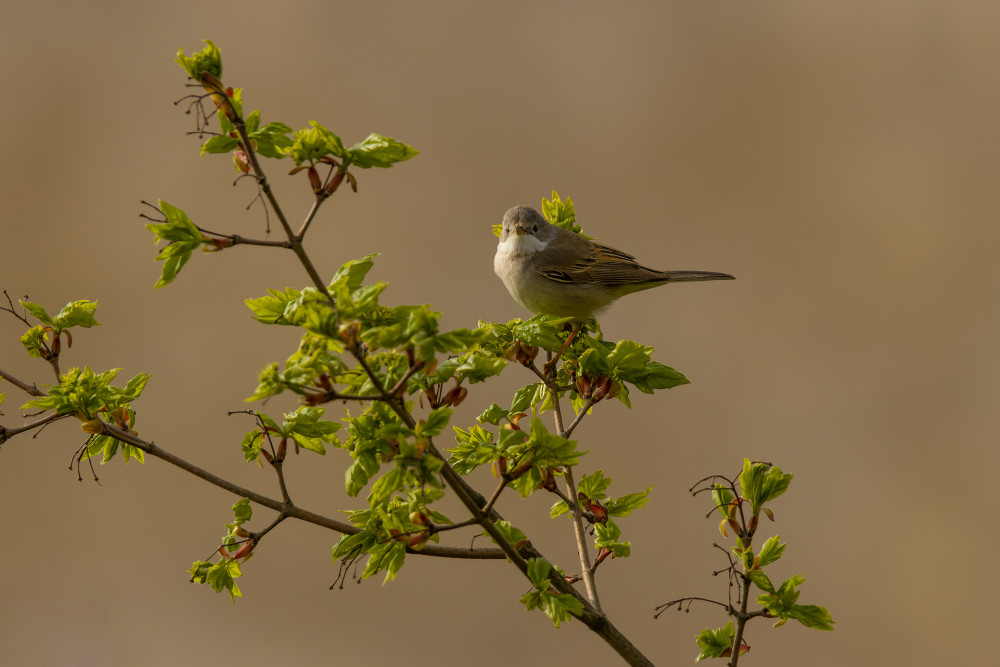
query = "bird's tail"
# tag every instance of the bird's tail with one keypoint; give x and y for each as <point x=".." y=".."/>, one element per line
<point x="690" y="276"/>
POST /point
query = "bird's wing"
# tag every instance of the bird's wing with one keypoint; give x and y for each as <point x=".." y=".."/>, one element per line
<point x="570" y="258"/>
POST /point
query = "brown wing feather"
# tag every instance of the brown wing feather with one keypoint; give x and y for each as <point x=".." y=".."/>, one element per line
<point x="570" y="258"/>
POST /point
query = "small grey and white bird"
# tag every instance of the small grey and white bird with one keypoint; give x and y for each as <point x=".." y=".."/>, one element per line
<point x="551" y="270"/>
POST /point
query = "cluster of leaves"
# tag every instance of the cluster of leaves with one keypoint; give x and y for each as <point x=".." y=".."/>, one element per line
<point x="87" y="395"/>
<point x="237" y="547"/>
<point x="757" y="485"/>
<point x="45" y="340"/>
<point x="303" y="427"/>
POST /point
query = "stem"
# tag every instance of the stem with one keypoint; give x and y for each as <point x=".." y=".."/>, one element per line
<point x="572" y="427"/>
<point x="581" y="544"/>
<point x="578" y="529"/>
<point x="741" y="620"/>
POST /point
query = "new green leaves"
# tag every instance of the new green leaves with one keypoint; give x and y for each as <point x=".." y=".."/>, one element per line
<point x="303" y="427"/>
<point x="312" y="144"/>
<point x="379" y="151"/>
<point x="716" y="643"/>
<point x="560" y="607"/>
<point x="761" y="483"/>
<point x="782" y="603"/>
<point x="222" y="575"/>
<point x="73" y="314"/>
<point x="182" y="237"/>
<point x="36" y="340"/>
<point x="208" y="60"/>
<point x="85" y="393"/>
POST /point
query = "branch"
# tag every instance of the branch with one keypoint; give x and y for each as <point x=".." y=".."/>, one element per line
<point x="741" y="620"/>
<point x="31" y="390"/>
<point x="8" y="433"/>
<point x="291" y="510"/>
<point x="572" y="427"/>
<point x="578" y="529"/>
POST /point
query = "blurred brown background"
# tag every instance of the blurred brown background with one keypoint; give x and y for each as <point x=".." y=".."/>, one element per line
<point x="840" y="158"/>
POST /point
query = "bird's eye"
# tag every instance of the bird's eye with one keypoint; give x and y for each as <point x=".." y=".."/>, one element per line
<point x="534" y="228"/>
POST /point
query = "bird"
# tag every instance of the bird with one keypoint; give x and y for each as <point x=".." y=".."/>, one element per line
<point x="551" y="270"/>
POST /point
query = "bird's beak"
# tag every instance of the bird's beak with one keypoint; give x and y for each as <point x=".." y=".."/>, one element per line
<point x="519" y="229"/>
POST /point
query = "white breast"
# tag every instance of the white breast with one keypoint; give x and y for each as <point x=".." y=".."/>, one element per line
<point x="510" y="262"/>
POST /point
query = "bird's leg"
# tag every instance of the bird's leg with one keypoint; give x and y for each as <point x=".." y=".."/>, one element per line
<point x="551" y="363"/>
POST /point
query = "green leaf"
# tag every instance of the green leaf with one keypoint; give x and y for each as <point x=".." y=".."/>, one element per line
<point x="312" y="144"/>
<point x="715" y="643"/>
<point x="135" y="386"/>
<point x="271" y="309"/>
<point x="783" y="604"/>
<point x="762" y="581"/>
<point x="353" y="273"/>
<point x="379" y="151"/>
<point x="606" y="537"/>
<point x="208" y="60"/>
<point x="222" y="576"/>
<point x="770" y="551"/>
<point x="306" y="427"/>
<point x="76" y="314"/>
<point x="389" y="483"/>
<point x="812" y="616"/>
<point x="558" y="509"/>
<point x="34" y="341"/>
<point x="722" y="497"/>
<point x="762" y="483"/>
<point x="242" y="511"/>
<point x="562" y="213"/>
<point x="473" y="448"/>
<point x="37" y="310"/>
<point x="436" y="421"/>
<point x="493" y="415"/>
<point x="178" y="226"/>
<point x="558" y="607"/>
<point x="594" y="485"/>
<point x="515" y="536"/>
<point x="523" y="397"/>
<point x="222" y="143"/>
<point x="183" y="236"/>
<point x="174" y="257"/>
<point x="628" y="503"/>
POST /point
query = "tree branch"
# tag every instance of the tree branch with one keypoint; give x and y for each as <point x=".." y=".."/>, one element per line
<point x="8" y="433"/>
<point x="575" y="510"/>
<point x="31" y="390"/>
<point x="291" y="510"/>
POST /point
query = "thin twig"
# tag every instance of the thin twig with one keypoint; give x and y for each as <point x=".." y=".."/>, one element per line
<point x="578" y="529"/>
<point x="586" y="408"/>
<point x="495" y="496"/>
